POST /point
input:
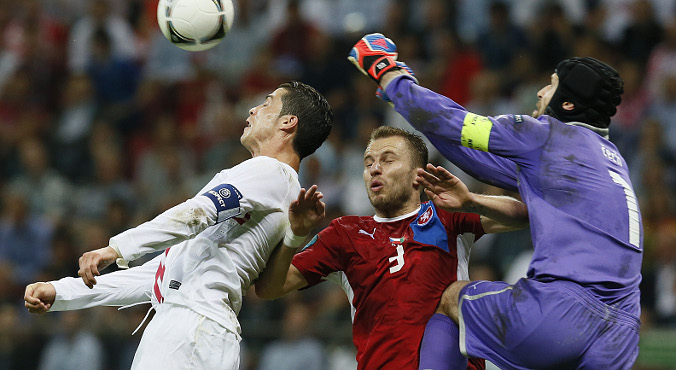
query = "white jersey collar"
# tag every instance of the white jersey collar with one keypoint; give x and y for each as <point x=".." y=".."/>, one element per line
<point x="392" y="219"/>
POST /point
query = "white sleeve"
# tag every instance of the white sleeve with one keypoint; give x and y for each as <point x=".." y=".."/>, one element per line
<point x="181" y="222"/>
<point x="264" y="184"/>
<point x="260" y="183"/>
<point x="119" y="288"/>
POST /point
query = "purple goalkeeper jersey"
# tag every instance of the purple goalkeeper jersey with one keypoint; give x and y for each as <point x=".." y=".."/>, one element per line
<point x="584" y="216"/>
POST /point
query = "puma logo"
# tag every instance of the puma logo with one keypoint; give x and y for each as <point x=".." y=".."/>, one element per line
<point x="369" y="234"/>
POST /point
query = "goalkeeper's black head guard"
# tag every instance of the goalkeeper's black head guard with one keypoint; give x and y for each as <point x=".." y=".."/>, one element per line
<point x="592" y="86"/>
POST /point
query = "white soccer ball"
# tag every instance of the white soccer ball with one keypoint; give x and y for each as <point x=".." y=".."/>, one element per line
<point x="195" y="25"/>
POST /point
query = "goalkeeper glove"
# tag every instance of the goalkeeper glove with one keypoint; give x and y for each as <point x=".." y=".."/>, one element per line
<point x="374" y="55"/>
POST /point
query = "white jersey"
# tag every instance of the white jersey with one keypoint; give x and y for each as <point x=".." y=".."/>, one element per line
<point x="216" y="244"/>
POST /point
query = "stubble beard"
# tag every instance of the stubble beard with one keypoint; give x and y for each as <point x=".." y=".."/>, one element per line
<point x="388" y="203"/>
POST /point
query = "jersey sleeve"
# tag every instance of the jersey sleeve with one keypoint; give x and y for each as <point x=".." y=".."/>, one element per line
<point x="485" y="167"/>
<point x="119" y="288"/>
<point x="323" y="255"/>
<point x="261" y="183"/>
<point x="512" y="138"/>
<point x="461" y="223"/>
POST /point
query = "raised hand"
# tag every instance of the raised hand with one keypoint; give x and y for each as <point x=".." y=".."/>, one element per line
<point x="94" y="261"/>
<point x="39" y="297"/>
<point x="374" y="55"/>
<point x="444" y="189"/>
<point x="307" y="211"/>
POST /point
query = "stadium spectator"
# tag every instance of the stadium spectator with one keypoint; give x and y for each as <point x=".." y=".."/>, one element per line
<point x="99" y="14"/>
<point x="50" y="193"/>
<point x="296" y="338"/>
<point x="24" y="238"/>
<point x="73" y="346"/>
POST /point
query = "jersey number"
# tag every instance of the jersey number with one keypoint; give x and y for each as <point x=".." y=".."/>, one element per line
<point x="159" y="276"/>
<point x="399" y="258"/>
<point x="632" y="208"/>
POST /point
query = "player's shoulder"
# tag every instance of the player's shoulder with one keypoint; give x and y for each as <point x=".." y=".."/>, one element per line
<point x="351" y="224"/>
<point x="260" y="163"/>
<point x="261" y="167"/>
<point x="525" y="119"/>
<point x="446" y="216"/>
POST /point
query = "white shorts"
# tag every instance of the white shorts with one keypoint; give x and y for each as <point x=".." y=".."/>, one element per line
<point x="180" y="338"/>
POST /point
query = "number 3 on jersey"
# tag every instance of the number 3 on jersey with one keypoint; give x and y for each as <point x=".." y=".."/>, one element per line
<point x="398" y="259"/>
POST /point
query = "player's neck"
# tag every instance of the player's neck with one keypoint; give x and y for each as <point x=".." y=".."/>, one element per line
<point x="408" y="207"/>
<point x="283" y="153"/>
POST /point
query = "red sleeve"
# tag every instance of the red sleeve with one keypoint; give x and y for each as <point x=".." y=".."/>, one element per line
<point x="460" y="223"/>
<point x="323" y="255"/>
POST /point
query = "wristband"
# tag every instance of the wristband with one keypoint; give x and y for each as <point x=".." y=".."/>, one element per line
<point x="292" y="240"/>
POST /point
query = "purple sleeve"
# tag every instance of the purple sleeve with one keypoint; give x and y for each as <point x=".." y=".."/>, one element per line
<point x="450" y="128"/>
<point x="485" y="167"/>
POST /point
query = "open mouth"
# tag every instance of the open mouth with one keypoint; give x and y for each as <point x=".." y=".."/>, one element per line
<point x="376" y="186"/>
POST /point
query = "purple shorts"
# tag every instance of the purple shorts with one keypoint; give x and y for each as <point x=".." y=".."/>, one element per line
<point x="535" y="325"/>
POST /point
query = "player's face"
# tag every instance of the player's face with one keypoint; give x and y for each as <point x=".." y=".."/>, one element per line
<point x="389" y="176"/>
<point x="545" y="96"/>
<point x="262" y="122"/>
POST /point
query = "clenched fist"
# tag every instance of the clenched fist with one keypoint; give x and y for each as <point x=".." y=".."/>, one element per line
<point x="39" y="297"/>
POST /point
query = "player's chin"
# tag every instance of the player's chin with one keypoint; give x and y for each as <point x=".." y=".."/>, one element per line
<point x="243" y="139"/>
<point x="377" y="200"/>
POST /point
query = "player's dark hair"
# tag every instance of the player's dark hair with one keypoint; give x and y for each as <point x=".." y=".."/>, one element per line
<point x="594" y="87"/>
<point x="315" y="117"/>
<point x="416" y="143"/>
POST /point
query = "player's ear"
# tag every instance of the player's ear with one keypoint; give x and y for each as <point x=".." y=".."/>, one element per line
<point x="288" y="122"/>
<point x="416" y="184"/>
<point x="568" y="106"/>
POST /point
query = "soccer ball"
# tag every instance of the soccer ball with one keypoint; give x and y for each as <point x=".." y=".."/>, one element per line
<point x="195" y="25"/>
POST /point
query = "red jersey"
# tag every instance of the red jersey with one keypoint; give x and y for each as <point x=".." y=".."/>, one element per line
<point x="394" y="272"/>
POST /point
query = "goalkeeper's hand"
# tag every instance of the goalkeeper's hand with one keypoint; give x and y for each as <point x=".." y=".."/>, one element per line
<point x="380" y="93"/>
<point x="374" y="55"/>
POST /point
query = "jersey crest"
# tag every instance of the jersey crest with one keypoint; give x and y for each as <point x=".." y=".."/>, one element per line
<point x="426" y="216"/>
<point x="428" y="228"/>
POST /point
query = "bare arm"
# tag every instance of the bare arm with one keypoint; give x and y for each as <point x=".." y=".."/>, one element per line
<point x="499" y="213"/>
<point x="279" y="276"/>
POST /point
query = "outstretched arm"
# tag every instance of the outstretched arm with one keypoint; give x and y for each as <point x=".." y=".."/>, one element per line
<point x="279" y="276"/>
<point x="117" y="288"/>
<point x="510" y="140"/>
<point x="486" y="167"/>
<point x="499" y="213"/>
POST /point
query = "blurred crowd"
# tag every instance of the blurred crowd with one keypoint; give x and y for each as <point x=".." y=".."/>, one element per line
<point x="104" y="124"/>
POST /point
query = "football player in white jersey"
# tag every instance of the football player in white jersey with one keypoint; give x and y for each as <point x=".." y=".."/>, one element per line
<point x="215" y="244"/>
